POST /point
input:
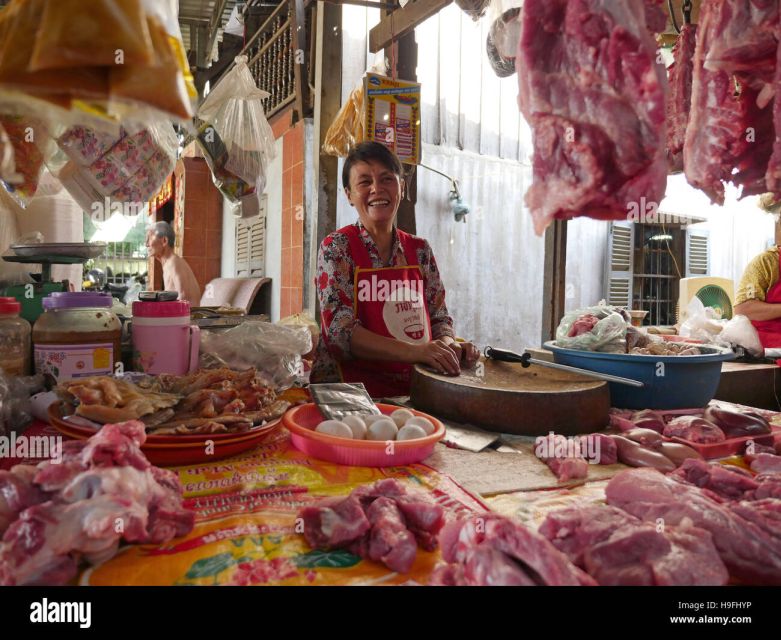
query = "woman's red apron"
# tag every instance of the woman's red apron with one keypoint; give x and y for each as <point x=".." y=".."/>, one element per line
<point x="770" y="330"/>
<point x="389" y="301"/>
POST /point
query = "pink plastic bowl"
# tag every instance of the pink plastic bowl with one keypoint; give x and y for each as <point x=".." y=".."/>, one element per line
<point x="302" y="420"/>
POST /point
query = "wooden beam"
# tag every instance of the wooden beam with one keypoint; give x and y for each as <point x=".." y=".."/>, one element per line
<point x="554" y="278"/>
<point x="299" y="57"/>
<point x="328" y="100"/>
<point x="402" y="21"/>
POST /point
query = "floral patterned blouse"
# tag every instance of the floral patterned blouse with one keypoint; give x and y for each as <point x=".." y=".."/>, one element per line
<point x="335" y="269"/>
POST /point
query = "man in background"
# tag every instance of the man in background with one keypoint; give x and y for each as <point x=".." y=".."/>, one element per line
<point x="177" y="274"/>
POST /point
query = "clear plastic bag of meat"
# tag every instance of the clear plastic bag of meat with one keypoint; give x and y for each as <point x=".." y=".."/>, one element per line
<point x="600" y="328"/>
<point x="235" y="109"/>
<point x="16" y="412"/>
<point x="739" y="332"/>
<point x="274" y="350"/>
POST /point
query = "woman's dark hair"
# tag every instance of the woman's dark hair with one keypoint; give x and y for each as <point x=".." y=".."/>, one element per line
<point x="371" y="151"/>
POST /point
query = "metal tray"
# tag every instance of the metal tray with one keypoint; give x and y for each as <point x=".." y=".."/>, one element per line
<point x="85" y="250"/>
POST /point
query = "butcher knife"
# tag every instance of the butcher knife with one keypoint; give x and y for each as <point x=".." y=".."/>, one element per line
<point x="526" y="360"/>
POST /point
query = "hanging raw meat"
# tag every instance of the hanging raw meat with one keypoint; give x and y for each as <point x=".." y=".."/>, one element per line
<point x="730" y="133"/>
<point x="679" y="99"/>
<point x="773" y="175"/>
<point x="594" y="96"/>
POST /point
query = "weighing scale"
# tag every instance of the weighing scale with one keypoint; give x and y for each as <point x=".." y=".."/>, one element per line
<point x="31" y="295"/>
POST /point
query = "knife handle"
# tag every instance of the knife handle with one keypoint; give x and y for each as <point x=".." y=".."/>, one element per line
<point x="507" y="356"/>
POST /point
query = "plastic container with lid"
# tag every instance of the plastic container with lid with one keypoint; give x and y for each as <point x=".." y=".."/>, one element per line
<point x="164" y="341"/>
<point x="14" y="339"/>
<point x="77" y="336"/>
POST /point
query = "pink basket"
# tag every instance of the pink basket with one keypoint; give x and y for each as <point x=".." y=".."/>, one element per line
<point x="302" y="420"/>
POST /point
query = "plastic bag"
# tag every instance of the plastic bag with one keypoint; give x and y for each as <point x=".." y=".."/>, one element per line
<point x="216" y="156"/>
<point x="7" y="165"/>
<point x="502" y="42"/>
<point x="607" y="332"/>
<point x="74" y="33"/>
<point x="235" y="109"/>
<point x="30" y="142"/>
<point x="740" y="332"/>
<point x="131" y="170"/>
<point x="702" y="323"/>
<point x="15" y="405"/>
<point x="275" y="351"/>
<point x="347" y="129"/>
<point x="475" y="9"/>
<point x="304" y="320"/>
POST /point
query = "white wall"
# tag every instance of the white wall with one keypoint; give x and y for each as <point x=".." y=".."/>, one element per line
<point x="273" y="233"/>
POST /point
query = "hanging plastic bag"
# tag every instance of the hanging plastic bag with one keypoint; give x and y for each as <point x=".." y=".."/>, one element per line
<point x="216" y="154"/>
<point x="475" y="9"/>
<point x="347" y="129"/>
<point x="165" y="84"/>
<point x="503" y="37"/>
<point x="100" y="33"/>
<point x="30" y="142"/>
<point x="600" y="328"/>
<point x="234" y="108"/>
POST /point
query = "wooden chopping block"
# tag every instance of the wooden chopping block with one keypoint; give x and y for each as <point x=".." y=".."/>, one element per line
<point x="510" y="399"/>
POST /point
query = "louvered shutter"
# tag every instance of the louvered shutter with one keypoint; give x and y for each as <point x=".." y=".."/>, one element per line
<point x="251" y="244"/>
<point x="697" y="252"/>
<point x="620" y="264"/>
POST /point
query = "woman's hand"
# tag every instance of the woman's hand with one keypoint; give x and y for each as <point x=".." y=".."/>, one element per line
<point x="467" y="353"/>
<point x="438" y="355"/>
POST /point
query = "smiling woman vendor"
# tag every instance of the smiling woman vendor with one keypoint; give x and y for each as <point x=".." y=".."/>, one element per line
<point x="382" y="302"/>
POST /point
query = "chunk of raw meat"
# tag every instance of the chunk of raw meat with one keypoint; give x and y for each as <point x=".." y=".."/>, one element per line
<point x="616" y="548"/>
<point x="334" y="522"/>
<point x="566" y="469"/>
<point x="594" y="96"/>
<point x="766" y="463"/>
<point x="694" y="429"/>
<point x="769" y="487"/>
<point x="582" y="325"/>
<point x="96" y="498"/>
<point x="655" y="16"/>
<point x="773" y="175"/>
<point x="726" y="482"/>
<point x="424" y="519"/>
<point x="17" y="493"/>
<point x="537" y="558"/>
<point x="648" y="419"/>
<point x="679" y="99"/>
<point x="390" y="542"/>
<point x="730" y="134"/>
<point x="750" y="553"/>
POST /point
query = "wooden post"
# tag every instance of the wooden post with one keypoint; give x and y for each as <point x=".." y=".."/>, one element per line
<point x="328" y="100"/>
<point x="406" y="57"/>
<point x="299" y="51"/>
<point x="554" y="279"/>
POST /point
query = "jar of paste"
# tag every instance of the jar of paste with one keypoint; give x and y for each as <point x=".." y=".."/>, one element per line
<point x="77" y="336"/>
<point x="14" y="339"/>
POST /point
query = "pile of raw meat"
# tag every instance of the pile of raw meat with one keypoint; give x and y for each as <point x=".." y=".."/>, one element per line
<point x="608" y="124"/>
<point x="383" y="522"/>
<point x="702" y="524"/>
<point x="104" y="491"/>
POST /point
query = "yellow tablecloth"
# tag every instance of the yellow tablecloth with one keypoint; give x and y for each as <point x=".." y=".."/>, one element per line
<point x="246" y="530"/>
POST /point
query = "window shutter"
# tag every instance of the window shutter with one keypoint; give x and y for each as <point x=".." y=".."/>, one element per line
<point x="620" y="264"/>
<point x="697" y="252"/>
<point x="251" y="245"/>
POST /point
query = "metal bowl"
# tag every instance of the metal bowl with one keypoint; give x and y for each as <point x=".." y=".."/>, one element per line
<point x="85" y="250"/>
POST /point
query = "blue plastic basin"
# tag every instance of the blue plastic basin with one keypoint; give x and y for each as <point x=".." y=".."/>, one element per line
<point x="671" y="382"/>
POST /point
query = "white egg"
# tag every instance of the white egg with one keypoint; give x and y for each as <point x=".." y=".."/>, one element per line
<point x="400" y="416"/>
<point x="411" y="432"/>
<point x="371" y="418"/>
<point x="357" y="425"/>
<point x="382" y="430"/>
<point x="335" y="428"/>
<point x="423" y="423"/>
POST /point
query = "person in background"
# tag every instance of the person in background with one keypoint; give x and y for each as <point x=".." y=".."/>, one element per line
<point x="759" y="297"/>
<point x="382" y="300"/>
<point x="177" y="274"/>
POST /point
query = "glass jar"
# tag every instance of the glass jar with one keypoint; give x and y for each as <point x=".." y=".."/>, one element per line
<point x="14" y="339"/>
<point x="77" y="336"/>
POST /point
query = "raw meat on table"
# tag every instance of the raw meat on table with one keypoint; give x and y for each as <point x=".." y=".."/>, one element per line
<point x="584" y="324"/>
<point x="593" y="94"/>
<point x="694" y="429"/>
<point x="745" y="533"/>
<point x="616" y="548"/>
<point x="721" y="482"/>
<point x="72" y="510"/>
<point x="766" y="463"/>
<point x="490" y="549"/>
